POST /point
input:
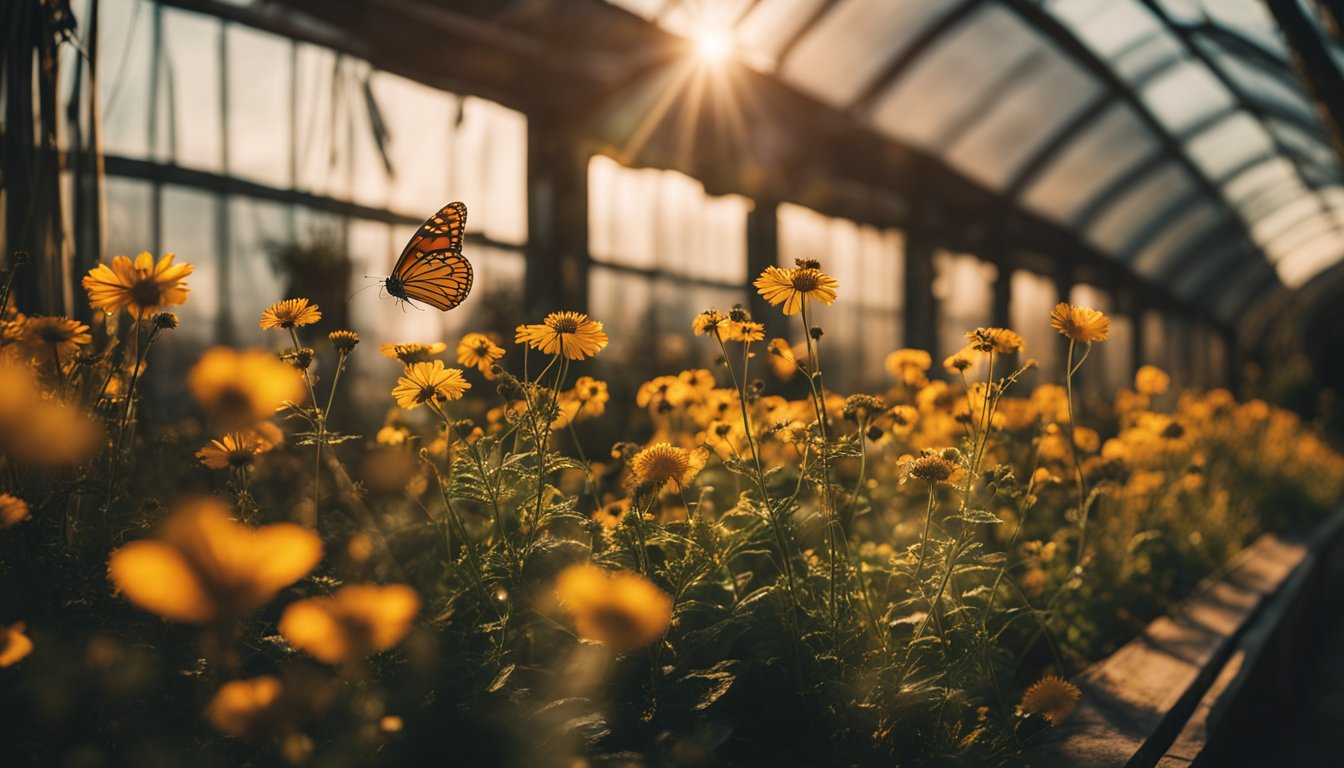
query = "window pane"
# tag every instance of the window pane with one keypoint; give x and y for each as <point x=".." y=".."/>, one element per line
<point x="190" y="229"/>
<point x="190" y="95"/>
<point x="1157" y="257"/>
<point x="129" y="226"/>
<point x="1034" y="296"/>
<point x="964" y="289"/>
<point x="259" y="106"/>
<point x="1228" y="144"/>
<point x="1184" y="95"/>
<point x="1086" y="166"/>
<point x="125" y="52"/>
<point x="1139" y="204"/>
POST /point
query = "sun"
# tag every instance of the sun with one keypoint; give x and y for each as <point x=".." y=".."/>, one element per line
<point x="713" y="45"/>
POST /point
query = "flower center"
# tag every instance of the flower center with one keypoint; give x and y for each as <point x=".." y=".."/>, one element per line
<point x="53" y="334"/>
<point x="566" y="325"/>
<point x="664" y="467"/>
<point x="239" y="457"/>
<point x="426" y="393"/>
<point x="146" y="293"/>
<point x="806" y="280"/>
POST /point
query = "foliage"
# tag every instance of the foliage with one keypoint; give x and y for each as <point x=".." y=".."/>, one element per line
<point x="891" y="578"/>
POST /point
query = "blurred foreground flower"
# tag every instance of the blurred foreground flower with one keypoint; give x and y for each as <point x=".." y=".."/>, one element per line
<point x="1051" y="697"/>
<point x="14" y="645"/>
<point x="239" y="387"/>
<point x="240" y="707"/>
<point x="142" y="286"/>
<point x="622" y="610"/>
<point x="13" y="511"/>
<point x="1151" y="380"/>
<point x="355" y="622"/>
<point x="570" y="334"/>
<point x="35" y="429"/>
<point x="204" y="567"/>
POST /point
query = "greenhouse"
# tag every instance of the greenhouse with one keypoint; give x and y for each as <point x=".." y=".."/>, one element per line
<point x="620" y="383"/>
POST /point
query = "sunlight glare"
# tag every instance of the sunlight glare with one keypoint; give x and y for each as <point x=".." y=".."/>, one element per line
<point x="713" y="45"/>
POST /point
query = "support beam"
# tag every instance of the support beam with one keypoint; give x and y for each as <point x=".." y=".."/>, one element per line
<point x="557" y="221"/>
<point x="921" y="308"/>
<point x="762" y="252"/>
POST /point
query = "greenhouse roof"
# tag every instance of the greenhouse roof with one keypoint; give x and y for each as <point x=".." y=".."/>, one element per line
<point x="1175" y="136"/>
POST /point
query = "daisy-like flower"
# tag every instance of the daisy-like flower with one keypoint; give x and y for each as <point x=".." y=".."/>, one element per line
<point x="142" y="286"/>
<point x="203" y="567"/>
<point x="14" y="645"/>
<point x="592" y="396"/>
<point x="707" y="322"/>
<point x="13" y="511"/>
<point x="415" y="352"/>
<point x="1080" y="323"/>
<point x="572" y="334"/>
<point x="241" y="387"/>
<point x="621" y="610"/>
<point x="663" y="464"/>
<point x="1051" y="697"/>
<point x="998" y="340"/>
<point x="236" y="450"/>
<point x="790" y="286"/>
<point x="357" y="621"/>
<point x="1151" y="380"/>
<point x="343" y="341"/>
<point x="932" y="469"/>
<point x="479" y="351"/>
<point x="424" y="382"/>
<point x="290" y="313"/>
<point x="960" y="361"/>
<point x="909" y="365"/>
<point x="62" y="333"/>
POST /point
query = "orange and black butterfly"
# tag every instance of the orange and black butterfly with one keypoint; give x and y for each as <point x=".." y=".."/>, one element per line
<point x="432" y="268"/>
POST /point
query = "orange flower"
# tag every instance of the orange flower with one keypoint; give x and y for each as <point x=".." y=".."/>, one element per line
<point x="143" y="286"/>
<point x="622" y="610"/>
<point x="204" y="567"/>
<point x="14" y="645"/>
<point x="290" y="313"/>
<point x="242" y="707"/>
<point x="240" y="387"/>
<point x="572" y="334"/>
<point x="13" y="511"/>
<point x="353" y="623"/>
<point x="790" y="286"/>
<point x="1080" y="323"/>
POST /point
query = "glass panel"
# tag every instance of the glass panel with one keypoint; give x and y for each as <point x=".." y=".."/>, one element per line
<point x="1034" y="296"/>
<point x="1250" y="19"/>
<point x="769" y="25"/>
<point x="849" y="46"/>
<point x="1229" y="143"/>
<point x="321" y="153"/>
<point x="129" y="225"/>
<point x="955" y="77"/>
<point x="490" y="169"/>
<point x="1050" y="90"/>
<point x="1312" y="147"/>
<point x="1239" y="189"/>
<point x="1139" y="204"/>
<point x="125" y="52"/>
<point x="191" y="92"/>
<point x="1107" y="26"/>
<point x="1312" y="258"/>
<point x="1299" y="234"/>
<point x="419" y="124"/>
<point x="258" y="106"/>
<point x="1086" y="165"/>
<point x="963" y="287"/>
<point x="1154" y="53"/>
<point x="663" y="220"/>
<point x="1157" y="257"/>
<point x="1184" y="95"/>
<point x="190" y="229"/>
<point x="1260" y="85"/>
<point x="1265" y="230"/>
<point x="1115" y="366"/>
<point x="256" y="228"/>
<point x="359" y="110"/>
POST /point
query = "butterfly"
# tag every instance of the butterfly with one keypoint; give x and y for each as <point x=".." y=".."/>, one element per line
<point x="431" y="267"/>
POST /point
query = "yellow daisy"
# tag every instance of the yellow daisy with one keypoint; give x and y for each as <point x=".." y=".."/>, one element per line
<point x="62" y="333"/>
<point x="789" y="286"/>
<point x="412" y="353"/>
<point x="479" y="351"/>
<point x="424" y="382"/>
<point x="141" y="286"/>
<point x="236" y="449"/>
<point x="1051" y="697"/>
<point x="663" y="464"/>
<point x="998" y="340"/>
<point x="592" y="396"/>
<point x="343" y="341"/>
<point x="290" y="313"/>
<point x="1080" y="323"/>
<point x="571" y="334"/>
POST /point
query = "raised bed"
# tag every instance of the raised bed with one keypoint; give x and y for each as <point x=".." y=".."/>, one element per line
<point x="1203" y="682"/>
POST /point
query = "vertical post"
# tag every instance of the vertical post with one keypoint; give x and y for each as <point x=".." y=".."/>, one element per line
<point x="762" y="252"/>
<point x="557" y="213"/>
<point x="224" y="323"/>
<point x="921" y="308"/>
<point x="1003" y="294"/>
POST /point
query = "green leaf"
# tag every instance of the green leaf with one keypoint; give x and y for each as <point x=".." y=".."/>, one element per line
<point x="978" y="516"/>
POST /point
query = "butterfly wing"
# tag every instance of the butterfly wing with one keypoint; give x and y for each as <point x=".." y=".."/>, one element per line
<point x="441" y="279"/>
<point x="431" y="267"/>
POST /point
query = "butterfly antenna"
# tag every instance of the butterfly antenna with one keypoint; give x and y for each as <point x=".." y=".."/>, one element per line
<point x="365" y="288"/>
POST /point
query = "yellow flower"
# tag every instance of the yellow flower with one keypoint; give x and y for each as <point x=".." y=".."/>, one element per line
<point x="241" y="387"/>
<point x="1151" y="380"/>
<point x="392" y="435"/>
<point x="909" y="365"/>
<point x="343" y="341"/>
<point x="782" y="360"/>
<point x="790" y="286"/>
<point x="932" y="468"/>
<point x="14" y="645"/>
<point x="571" y="334"/>
<point x="1080" y="323"/>
<point x="997" y="340"/>
<point x="13" y="511"/>
<point x="621" y="610"/>
<point x="49" y="433"/>
<point x="592" y="396"/>
<point x="959" y="362"/>
<point x="236" y="450"/>
<point x="244" y="707"/>
<point x="1051" y="697"/>
<point x="707" y="322"/>
<point x="663" y="463"/>
<point x="410" y="354"/>
<point x="290" y="313"/>
<point x="65" y="335"/>
<point x="480" y="352"/>
<point x="203" y="567"/>
<point x="354" y="623"/>
<point x="141" y="286"/>
<point x="423" y="382"/>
